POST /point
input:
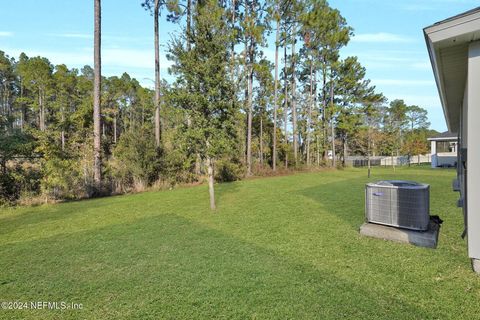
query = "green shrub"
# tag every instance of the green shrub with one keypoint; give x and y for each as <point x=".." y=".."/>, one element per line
<point x="136" y="161"/>
<point x="227" y="170"/>
<point x="9" y="190"/>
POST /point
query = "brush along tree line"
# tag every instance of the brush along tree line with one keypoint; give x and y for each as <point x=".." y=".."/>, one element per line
<point x="230" y="112"/>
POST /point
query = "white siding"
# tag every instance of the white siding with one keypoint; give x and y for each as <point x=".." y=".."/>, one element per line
<point x="473" y="162"/>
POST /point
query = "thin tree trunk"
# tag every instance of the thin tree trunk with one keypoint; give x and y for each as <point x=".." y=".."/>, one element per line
<point x="332" y="124"/>
<point x="251" y="51"/>
<point x="250" y="114"/>
<point x="294" y="101"/>
<point x="21" y="119"/>
<point x="368" y="150"/>
<point x="261" y="139"/>
<point x="97" y="161"/>
<point x="324" y="121"/>
<point x="232" y="49"/>
<point x="115" y="128"/>
<point x="345" y="150"/>
<point x="189" y="23"/>
<point x="309" y="118"/>
<point x="157" y="73"/>
<point x="198" y="165"/>
<point x="245" y="63"/>
<point x="211" y="189"/>
<point x="22" y="107"/>
<point x="198" y="159"/>
<point x="275" y="105"/>
<point x="286" y="105"/>
<point x="42" y="109"/>
<point x="63" y="131"/>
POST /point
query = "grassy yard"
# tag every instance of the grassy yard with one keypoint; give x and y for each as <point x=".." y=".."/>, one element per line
<point x="278" y="248"/>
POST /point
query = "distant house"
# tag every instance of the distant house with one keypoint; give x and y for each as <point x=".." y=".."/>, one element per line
<point x="454" y="48"/>
<point x="444" y="149"/>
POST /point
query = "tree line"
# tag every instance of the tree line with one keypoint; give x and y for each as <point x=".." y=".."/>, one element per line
<point x="229" y="113"/>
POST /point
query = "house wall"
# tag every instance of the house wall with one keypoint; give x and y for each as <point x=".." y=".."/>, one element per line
<point x="472" y="139"/>
<point x="440" y="159"/>
<point x="446" y="159"/>
<point x="433" y="153"/>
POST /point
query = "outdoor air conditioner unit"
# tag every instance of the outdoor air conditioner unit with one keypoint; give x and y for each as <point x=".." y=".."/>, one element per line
<point x="404" y="204"/>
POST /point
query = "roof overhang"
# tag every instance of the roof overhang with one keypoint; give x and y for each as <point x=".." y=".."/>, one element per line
<point x="443" y="139"/>
<point x="447" y="43"/>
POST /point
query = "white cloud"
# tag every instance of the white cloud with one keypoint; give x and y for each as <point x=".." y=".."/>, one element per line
<point x="72" y="35"/>
<point x="111" y="39"/>
<point x="111" y="57"/>
<point x="6" y="34"/>
<point x="403" y="82"/>
<point x="424" y="65"/>
<point x="137" y="63"/>
<point x="381" y="37"/>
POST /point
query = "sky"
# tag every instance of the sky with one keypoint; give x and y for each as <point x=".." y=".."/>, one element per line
<point x="388" y="40"/>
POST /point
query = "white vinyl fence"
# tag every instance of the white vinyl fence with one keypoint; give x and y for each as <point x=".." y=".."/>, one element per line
<point x="360" y="161"/>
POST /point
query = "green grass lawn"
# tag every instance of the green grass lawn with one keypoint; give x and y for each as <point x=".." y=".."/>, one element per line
<point x="277" y="248"/>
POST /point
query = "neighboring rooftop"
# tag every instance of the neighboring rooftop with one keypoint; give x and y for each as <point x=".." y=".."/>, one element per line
<point x="447" y="135"/>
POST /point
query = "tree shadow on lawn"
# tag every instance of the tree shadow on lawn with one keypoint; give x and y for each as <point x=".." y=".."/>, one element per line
<point x="344" y="199"/>
<point x="170" y="267"/>
<point x="66" y="210"/>
<point x="225" y="191"/>
<point x="52" y="212"/>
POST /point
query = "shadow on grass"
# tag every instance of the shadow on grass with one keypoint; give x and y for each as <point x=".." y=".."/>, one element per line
<point x="50" y="213"/>
<point x="344" y="199"/>
<point x="225" y="190"/>
<point x="170" y="267"/>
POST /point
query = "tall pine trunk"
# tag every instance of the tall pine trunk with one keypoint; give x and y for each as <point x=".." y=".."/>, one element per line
<point x="22" y="107"/>
<point x="286" y="105"/>
<point x="332" y="124"/>
<point x="62" y="133"/>
<point x="369" y="143"/>
<point x="157" y="73"/>
<point x="309" y="118"/>
<point x="251" y="61"/>
<point x="250" y="113"/>
<point x="115" y="128"/>
<point x="294" y="101"/>
<point x="324" y="122"/>
<point x="261" y="138"/>
<point x="97" y="160"/>
<point x="41" y="110"/>
<point x="275" y="105"/>
<point x="232" y="49"/>
<point x="189" y="23"/>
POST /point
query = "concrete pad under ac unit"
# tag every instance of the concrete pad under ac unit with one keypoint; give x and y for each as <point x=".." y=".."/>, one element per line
<point x="428" y="238"/>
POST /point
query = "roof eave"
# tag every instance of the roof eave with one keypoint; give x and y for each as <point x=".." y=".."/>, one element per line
<point x="436" y="74"/>
<point x="446" y="41"/>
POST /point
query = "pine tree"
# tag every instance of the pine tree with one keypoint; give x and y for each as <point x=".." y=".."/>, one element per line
<point x="155" y="7"/>
<point x="204" y="86"/>
<point x="97" y="163"/>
